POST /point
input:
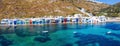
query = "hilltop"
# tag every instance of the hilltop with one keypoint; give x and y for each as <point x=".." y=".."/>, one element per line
<point x="38" y="8"/>
<point x="112" y="11"/>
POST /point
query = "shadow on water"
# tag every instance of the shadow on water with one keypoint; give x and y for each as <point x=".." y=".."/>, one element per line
<point x="75" y="26"/>
<point x="4" y="41"/>
<point x="68" y="44"/>
<point x="32" y="29"/>
<point x="113" y="26"/>
<point x="23" y="31"/>
<point x="94" y="40"/>
<point x="6" y="29"/>
<point x="42" y="39"/>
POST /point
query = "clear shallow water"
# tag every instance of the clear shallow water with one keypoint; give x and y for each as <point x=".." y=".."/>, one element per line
<point x="62" y="35"/>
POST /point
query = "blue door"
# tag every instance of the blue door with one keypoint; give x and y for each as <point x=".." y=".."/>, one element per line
<point x="77" y="20"/>
<point x="15" y="22"/>
<point x="48" y="21"/>
<point x="56" y="21"/>
<point x="34" y="22"/>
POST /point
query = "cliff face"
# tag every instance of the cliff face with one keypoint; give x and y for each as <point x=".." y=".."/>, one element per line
<point x="37" y="8"/>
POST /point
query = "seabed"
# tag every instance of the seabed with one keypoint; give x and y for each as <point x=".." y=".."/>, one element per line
<point x="61" y="35"/>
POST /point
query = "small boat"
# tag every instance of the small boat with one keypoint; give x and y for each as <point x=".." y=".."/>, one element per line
<point x="44" y="31"/>
<point x="74" y="32"/>
<point x="109" y="32"/>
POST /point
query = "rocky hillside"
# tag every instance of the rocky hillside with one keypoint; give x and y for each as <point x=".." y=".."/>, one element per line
<point x="38" y="8"/>
<point x="112" y="11"/>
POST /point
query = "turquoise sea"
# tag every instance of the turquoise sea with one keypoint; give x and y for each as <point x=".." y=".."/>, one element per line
<point x="61" y="35"/>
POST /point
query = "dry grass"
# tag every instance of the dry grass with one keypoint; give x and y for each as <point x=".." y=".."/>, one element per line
<point x="38" y="8"/>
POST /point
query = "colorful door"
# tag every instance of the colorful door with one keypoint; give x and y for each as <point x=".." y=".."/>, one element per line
<point x="30" y="21"/>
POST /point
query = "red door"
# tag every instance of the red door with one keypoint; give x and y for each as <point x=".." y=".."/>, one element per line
<point x="65" y="20"/>
<point x="30" y="21"/>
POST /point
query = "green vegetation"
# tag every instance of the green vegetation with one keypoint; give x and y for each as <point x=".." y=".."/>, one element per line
<point x="112" y="11"/>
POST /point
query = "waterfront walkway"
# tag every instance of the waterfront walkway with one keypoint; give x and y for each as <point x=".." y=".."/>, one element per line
<point x="114" y="19"/>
